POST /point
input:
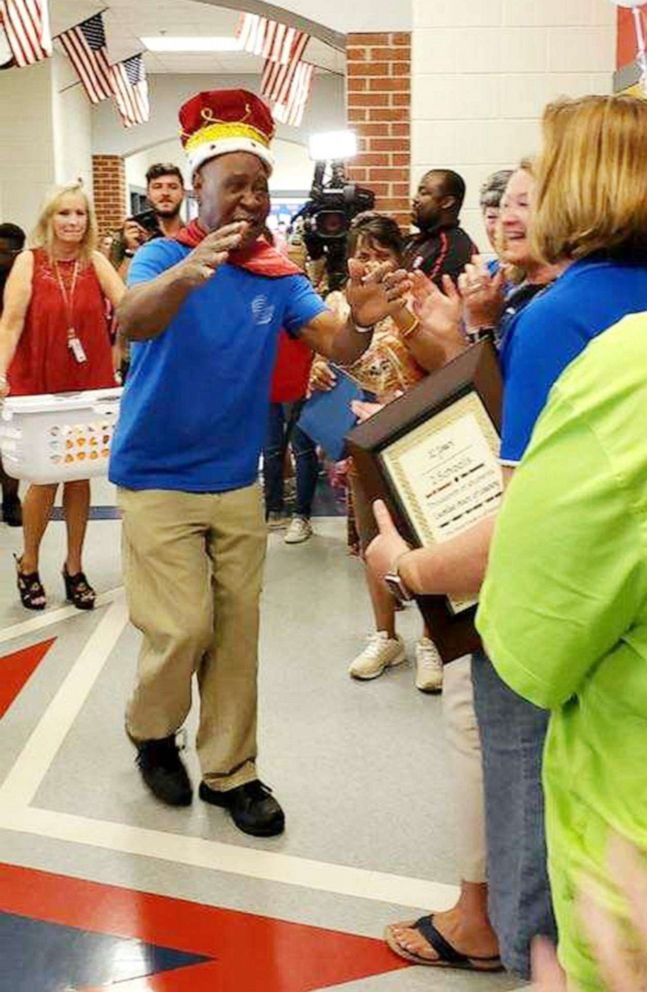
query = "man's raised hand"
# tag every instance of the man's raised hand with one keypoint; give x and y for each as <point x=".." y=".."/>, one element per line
<point x="204" y="260"/>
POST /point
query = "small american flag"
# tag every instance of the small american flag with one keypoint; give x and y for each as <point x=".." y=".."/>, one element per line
<point x="85" y="46"/>
<point x="291" y="112"/>
<point x="276" y="84"/>
<point x="266" y="38"/>
<point x="130" y="90"/>
<point x="26" y="25"/>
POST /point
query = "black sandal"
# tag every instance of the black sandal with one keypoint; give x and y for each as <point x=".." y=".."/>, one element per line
<point x="30" y="588"/>
<point x="78" y="590"/>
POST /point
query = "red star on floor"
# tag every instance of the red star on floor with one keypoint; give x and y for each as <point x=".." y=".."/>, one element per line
<point x="248" y="953"/>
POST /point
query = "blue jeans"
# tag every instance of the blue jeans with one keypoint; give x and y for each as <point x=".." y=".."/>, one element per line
<point x="512" y="738"/>
<point x="281" y="431"/>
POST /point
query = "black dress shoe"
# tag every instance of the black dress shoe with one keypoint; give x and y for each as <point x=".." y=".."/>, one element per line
<point x="252" y="806"/>
<point x="12" y="512"/>
<point x="163" y="771"/>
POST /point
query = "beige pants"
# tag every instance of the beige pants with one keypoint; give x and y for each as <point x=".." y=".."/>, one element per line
<point x="462" y="732"/>
<point x="193" y="566"/>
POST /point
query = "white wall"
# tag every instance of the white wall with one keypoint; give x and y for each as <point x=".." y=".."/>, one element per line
<point x="360" y="15"/>
<point x="168" y="92"/>
<point x="26" y="146"/>
<point x="292" y="167"/>
<point x="483" y="71"/>
<point x="72" y="125"/>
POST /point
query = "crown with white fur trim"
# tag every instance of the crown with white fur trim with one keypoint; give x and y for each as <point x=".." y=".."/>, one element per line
<point x="221" y="121"/>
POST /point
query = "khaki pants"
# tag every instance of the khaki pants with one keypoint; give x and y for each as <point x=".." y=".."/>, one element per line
<point x="193" y="566"/>
<point x="462" y="733"/>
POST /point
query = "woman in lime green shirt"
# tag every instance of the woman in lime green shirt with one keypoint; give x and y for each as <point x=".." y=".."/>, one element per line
<point x="564" y="614"/>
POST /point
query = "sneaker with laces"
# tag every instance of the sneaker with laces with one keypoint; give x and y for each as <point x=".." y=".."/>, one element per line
<point x="429" y="666"/>
<point x="381" y="652"/>
<point x="299" y="529"/>
<point x="163" y="771"/>
<point x="276" y="520"/>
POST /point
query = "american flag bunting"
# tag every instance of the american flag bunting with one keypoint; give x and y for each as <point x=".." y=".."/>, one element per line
<point x="276" y="84"/>
<point x="292" y="111"/>
<point x="130" y="89"/>
<point x="85" y="46"/>
<point x="26" y="25"/>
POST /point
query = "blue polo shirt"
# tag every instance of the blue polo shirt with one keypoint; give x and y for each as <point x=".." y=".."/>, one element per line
<point x="548" y="334"/>
<point x="195" y="405"/>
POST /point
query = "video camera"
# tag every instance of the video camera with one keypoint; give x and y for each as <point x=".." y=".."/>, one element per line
<point x="327" y="217"/>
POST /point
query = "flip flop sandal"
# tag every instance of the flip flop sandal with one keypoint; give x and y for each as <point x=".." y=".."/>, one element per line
<point x="448" y="956"/>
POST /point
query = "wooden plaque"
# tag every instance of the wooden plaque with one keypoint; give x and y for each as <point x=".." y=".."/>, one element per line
<point x="432" y="456"/>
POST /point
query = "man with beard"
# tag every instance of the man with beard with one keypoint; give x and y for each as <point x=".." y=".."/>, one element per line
<point x="165" y="192"/>
<point x="12" y="241"/>
<point x="204" y="310"/>
<point x="442" y="247"/>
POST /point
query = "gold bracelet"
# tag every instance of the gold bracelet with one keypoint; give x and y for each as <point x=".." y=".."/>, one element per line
<point x="408" y="331"/>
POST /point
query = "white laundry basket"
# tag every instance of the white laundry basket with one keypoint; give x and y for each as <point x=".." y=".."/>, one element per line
<point x="58" y="437"/>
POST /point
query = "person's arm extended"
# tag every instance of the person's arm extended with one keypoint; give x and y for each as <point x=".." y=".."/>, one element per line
<point x="372" y="296"/>
<point x="147" y="309"/>
<point x="110" y="281"/>
<point x="427" y="351"/>
<point x="455" y="567"/>
<point x="17" y="295"/>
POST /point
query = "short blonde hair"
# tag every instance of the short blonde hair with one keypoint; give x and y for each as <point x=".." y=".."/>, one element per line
<point x="43" y="233"/>
<point x="591" y="192"/>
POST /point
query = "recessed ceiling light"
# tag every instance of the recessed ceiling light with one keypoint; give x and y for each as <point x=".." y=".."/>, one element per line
<point x="168" y="43"/>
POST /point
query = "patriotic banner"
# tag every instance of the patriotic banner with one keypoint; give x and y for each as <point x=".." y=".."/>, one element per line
<point x="26" y="26"/>
<point x="269" y="39"/>
<point x="130" y="90"/>
<point x="291" y="112"/>
<point x="276" y="84"/>
<point x="85" y="46"/>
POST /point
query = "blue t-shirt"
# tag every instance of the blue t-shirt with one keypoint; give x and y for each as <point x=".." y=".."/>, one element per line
<point x="195" y="405"/>
<point x="591" y="296"/>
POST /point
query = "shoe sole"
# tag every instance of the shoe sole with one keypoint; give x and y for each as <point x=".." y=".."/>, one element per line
<point x="297" y="540"/>
<point x="430" y="690"/>
<point x="398" y="660"/>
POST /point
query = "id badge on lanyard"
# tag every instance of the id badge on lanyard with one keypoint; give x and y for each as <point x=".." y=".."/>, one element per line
<point x="75" y="346"/>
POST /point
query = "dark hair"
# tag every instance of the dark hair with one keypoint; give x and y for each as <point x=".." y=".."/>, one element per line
<point x="11" y="232"/>
<point x="493" y="188"/>
<point x="376" y="227"/>
<point x="163" y="169"/>
<point x="453" y="185"/>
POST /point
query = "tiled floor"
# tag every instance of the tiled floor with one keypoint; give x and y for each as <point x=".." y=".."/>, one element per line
<point x="103" y="888"/>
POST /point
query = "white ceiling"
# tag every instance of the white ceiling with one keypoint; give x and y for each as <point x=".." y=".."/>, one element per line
<point x="127" y="21"/>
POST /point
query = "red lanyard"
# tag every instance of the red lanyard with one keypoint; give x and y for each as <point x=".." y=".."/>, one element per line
<point x="68" y="300"/>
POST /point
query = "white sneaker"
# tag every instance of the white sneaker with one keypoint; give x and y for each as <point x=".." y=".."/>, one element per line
<point x="380" y="652"/>
<point x="429" y="666"/>
<point x="299" y="529"/>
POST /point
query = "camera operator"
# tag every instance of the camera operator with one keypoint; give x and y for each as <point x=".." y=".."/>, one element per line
<point x="165" y="193"/>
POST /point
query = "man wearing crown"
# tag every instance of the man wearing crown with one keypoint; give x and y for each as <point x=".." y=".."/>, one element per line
<point x="204" y="312"/>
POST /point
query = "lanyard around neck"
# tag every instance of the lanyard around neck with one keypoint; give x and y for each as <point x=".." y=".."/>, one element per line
<point x="68" y="300"/>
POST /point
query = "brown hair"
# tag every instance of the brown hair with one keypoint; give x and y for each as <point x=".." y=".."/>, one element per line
<point x="591" y="178"/>
<point x="43" y="233"/>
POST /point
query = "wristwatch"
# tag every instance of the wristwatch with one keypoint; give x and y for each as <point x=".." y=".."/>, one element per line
<point x="395" y="583"/>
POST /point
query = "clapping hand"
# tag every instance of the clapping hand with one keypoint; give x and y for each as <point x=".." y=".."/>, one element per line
<point x="483" y="294"/>
<point x="375" y="292"/>
<point x="440" y="312"/>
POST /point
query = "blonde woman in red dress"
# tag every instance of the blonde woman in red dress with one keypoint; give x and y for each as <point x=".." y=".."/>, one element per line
<point x="54" y="338"/>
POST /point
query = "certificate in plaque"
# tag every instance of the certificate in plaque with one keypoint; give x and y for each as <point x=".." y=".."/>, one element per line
<point x="432" y="455"/>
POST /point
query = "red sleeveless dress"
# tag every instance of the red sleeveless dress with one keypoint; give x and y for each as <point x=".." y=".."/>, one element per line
<point x="43" y="362"/>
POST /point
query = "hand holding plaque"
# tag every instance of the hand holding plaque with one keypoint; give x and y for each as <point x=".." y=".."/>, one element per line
<point x="432" y="456"/>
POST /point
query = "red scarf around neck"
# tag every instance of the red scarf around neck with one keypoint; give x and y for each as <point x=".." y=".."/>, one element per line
<point x="260" y="258"/>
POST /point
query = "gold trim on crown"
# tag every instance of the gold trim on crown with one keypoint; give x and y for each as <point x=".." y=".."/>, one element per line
<point x="216" y="132"/>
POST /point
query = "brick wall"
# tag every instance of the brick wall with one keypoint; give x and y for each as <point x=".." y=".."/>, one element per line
<point x="378" y="86"/>
<point x="109" y="184"/>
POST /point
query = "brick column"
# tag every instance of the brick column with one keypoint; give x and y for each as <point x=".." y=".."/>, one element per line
<point x="378" y="89"/>
<point x="109" y="183"/>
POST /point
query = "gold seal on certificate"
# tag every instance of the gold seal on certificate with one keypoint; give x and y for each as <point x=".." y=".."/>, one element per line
<point x="432" y="455"/>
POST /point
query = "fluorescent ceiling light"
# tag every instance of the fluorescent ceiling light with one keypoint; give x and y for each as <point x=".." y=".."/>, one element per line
<point x="332" y="146"/>
<point x="168" y="43"/>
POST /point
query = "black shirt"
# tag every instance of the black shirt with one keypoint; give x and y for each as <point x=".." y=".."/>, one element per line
<point x="445" y="252"/>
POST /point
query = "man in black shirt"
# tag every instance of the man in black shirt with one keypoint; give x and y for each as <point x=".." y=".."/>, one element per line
<point x="442" y="247"/>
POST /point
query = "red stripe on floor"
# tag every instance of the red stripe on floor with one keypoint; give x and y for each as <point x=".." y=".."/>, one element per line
<point x="17" y="668"/>
<point x="253" y="953"/>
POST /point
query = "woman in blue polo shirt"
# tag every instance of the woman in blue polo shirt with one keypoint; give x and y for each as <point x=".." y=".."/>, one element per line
<point x="591" y="219"/>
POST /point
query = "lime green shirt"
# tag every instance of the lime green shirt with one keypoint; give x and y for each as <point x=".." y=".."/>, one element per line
<point x="563" y="611"/>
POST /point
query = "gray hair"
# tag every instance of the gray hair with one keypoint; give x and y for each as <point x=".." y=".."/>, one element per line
<point x="493" y="188"/>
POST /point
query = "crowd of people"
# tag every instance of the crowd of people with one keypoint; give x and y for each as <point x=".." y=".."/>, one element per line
<point x="546" y="723"/>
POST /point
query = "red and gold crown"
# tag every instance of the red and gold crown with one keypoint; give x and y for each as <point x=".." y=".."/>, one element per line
<point x="222" y="121"/>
